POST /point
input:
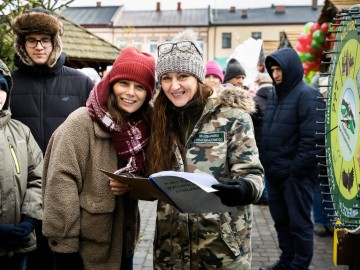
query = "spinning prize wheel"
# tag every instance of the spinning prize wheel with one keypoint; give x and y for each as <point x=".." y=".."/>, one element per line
<point x="342" y="120"/>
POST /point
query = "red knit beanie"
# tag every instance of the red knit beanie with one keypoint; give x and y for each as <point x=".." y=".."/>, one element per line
<point x="134" y="65"/>
<point x="213" y="68"/>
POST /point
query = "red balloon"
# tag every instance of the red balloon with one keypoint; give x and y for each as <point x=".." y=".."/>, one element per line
<point x="317" y="66"/>
<point x="306" y="69"/>
<point x="310" y="49"/>
<point x="300" y="47"/>
<point x="325" y="28"/>
<point x="311" y="64"/>
<point x="304" y="39"/>
<point x="314" y="27"/>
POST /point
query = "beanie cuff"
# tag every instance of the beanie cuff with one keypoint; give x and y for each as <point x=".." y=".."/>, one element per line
<point x="181" y="62"/>
<point x="136" y="72"/>
<point x="134" y="66"/>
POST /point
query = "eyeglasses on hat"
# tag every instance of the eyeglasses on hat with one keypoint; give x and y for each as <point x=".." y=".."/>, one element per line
<point x="32" y="42"/>
<point x="181" y="46"/>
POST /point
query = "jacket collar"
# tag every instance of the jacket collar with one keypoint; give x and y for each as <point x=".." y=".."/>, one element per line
<point x="5" y="117"/>
<point x="40" y="70"/>
<point x="233" y="97"/>
<point x="101" y="132"/>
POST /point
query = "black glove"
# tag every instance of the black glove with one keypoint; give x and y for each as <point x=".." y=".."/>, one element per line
<point x="8" y="232"/>
<point x="235" y="192"/>
<point x="68" y="261"/>
<point x="27" y="225"/>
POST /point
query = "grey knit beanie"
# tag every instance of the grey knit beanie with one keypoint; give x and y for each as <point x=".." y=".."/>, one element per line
<point x="233" y="69"/>
<point x="190" y="61"/>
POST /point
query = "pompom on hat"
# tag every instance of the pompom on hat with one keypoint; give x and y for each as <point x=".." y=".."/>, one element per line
<point x="189" y="61"/>
<point x="213" y="68"/>
<point x="41" y="21"/>
<point x="233" y="69"/>
<point x="134" y="65"/>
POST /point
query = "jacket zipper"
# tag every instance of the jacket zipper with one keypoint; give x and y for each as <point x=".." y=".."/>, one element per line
<point x="12" y="151"/>
<point x="41" y="113"/>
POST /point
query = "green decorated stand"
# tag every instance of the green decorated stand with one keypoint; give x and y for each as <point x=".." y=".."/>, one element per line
<point x="342" y="135"/>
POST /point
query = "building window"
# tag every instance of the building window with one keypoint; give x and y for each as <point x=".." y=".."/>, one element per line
<point x="122" y="44"/>
<point x="153" y="46"/>
<point x="137" y="44"/>
<point x="201" y="44"/>
<point x="226" y="40"/>
<point x="256" y="35"/>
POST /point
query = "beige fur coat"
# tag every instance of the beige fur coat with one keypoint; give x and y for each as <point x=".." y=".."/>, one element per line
<point x="80" y="212"/>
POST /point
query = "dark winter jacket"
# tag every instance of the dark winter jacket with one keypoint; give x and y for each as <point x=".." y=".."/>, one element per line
<point x="43" y="97"/>
<point x="260" y="103"/>
<point x="290" y="125"/>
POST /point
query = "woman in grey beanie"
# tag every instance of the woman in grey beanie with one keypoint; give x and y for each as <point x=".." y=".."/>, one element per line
<point x="192" y="132"/>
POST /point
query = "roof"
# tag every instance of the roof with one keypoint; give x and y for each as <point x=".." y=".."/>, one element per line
<point x="91" y="15"/>
<point x="185" y="17"/>
<point x="345" y="3"/>
<point x="85" y="48"/>
<point x="290" y="15"/>
<point x="117" y="17"/>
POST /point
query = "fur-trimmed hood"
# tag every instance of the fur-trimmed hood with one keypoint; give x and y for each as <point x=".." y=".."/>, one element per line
<point x="6" y="73"/>
<point x="236" y="97"/>
<point x="38" y="20"/>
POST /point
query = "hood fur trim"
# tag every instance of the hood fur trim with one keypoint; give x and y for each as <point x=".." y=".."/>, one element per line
<point x="237" y="97"/>
<point x="38" y="22"/>
<point x="6" y="72"/>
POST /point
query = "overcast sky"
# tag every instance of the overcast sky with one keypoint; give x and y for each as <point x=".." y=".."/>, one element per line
<point x="187" y="4"/>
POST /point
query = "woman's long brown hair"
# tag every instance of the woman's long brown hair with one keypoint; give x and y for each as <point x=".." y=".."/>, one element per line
<point x="165" y="131"/>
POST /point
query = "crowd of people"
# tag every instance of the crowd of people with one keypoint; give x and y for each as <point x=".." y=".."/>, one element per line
<point x="59" y="211"/>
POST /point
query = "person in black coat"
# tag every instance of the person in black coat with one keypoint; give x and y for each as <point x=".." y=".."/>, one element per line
<point x="266" y="86"/>
<point x="289" y="152"/>
<point x="45" y="91"/>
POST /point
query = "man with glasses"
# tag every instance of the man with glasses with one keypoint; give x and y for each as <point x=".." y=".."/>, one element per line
<point x="45" y="91"/>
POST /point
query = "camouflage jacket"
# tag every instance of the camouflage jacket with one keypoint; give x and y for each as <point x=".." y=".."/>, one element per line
<point x="222" y="144"/>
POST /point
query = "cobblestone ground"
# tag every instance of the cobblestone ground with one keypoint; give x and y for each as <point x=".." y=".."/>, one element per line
<point x="264" y="241"/>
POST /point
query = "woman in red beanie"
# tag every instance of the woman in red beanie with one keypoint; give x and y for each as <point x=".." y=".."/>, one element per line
<point x="89" y="222"/>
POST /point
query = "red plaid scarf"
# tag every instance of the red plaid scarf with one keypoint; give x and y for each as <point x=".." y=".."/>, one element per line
<point x="130" y="139"/>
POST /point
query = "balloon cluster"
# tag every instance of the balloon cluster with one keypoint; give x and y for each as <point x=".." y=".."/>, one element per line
<point x="310" y="45"/>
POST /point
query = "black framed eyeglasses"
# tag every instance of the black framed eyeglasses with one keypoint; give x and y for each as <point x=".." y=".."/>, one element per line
<point x="44" y="42"/>
<point x="181" y="46"/>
